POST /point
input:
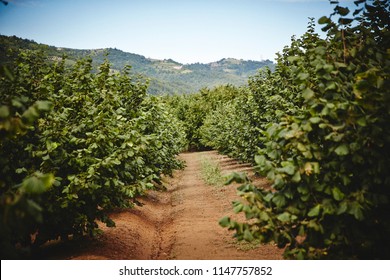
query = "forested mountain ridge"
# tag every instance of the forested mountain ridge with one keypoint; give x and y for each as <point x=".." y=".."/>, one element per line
<point x="166" y="76"/>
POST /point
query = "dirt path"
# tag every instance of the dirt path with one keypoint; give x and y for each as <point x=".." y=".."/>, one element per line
<point x="180" y="223"/>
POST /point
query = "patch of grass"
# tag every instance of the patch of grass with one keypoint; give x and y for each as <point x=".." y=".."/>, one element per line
<point x="247" y="246"/>
<point x="211" y="173"/>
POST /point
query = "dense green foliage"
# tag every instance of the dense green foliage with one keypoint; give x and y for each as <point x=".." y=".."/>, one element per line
<point x="102" y="144"/>
<point x="19" y="194"/>
<point x="192" y="110"/>
<point x="318" y="128"/>
<point x="166" y="76"/>
<point x="232" y="127"/>
<point x="323" y="118"/>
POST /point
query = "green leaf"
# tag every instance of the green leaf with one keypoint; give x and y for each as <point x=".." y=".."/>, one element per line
<point x="307" y="93"/>
<point x="314" y="225"/>
<point x="44" y="105"/>
<point x="289" y="169"/>
<point x="306" y="126"/>
<point x="323" y="20"/>
<point x="362" y="122"/>
<point x="264" y="216"/>
<point x="301" y="147"/>
<point x="343" y="207"/>
<point x="345" y="21"/>
<point x="292" y="59"/>
<point x="117" y="161"/>
<point x="331" y="86"/>
<point x="229" y="179"/>
<point x="340" y="65"/>
<point x="315" y="120"/>
<point x="302" y="231"/>
<point x="342" y="150"/>
<point x="279" y="200"/>
<point x="248" y="235"/>
<point x="297" y="177"/>
<point x="48" y="180"/>
<point x="303" y="76"/>
<point x="358" y="2"/>
<point x="224" y="222"/>
<point x="269" y="197"/>
<point x="238" y="208"/>
<point x="260" y="160"/>
<point x="337" y="194"/>
<point x="38" y="183"/>
<point x="315" y="211"/>
<point x="356" y="211"/>
<point x="321" y="50"/>
<point x="4" y="111"/>
<point x="300" y="255"/>
<point x="109" y="222"/>
<point x="342" y="11"/>
<point x="303" y="189"/>
<point x="30" y="115"/>
<point x="279" y="181"/>
<point x="20" y="170"/>
<point x="284" y="217"/>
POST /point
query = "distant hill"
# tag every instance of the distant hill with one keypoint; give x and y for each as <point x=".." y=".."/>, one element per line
<point x="166" y="76"/>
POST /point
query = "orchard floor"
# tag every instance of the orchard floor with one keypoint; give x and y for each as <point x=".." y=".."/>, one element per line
<point x="178" y="224"/>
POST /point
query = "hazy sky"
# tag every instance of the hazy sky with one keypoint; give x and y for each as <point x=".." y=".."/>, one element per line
<point x="184" y="30"/>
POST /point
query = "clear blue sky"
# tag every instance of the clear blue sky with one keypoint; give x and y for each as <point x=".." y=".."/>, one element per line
<point x="184" y="30"/>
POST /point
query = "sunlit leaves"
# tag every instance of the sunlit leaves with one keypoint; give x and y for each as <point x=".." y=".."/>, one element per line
<point x="307" y="94"/>
<point x="315" y="211"/>
<point x="342" y="150"/>
<point x="105" y="140"/>
<point x="38" y="183"/>
<point x="327" y="153"/>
